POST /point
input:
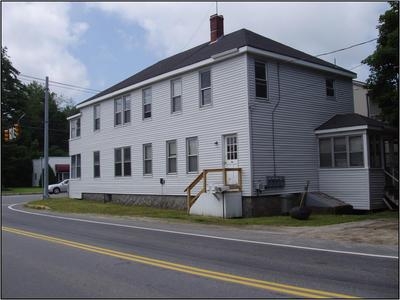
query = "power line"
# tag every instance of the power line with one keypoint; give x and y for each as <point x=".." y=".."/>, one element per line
<point x="346" y="48"/>
<point x="59" y="86"/>
<point x="60" y="83"/>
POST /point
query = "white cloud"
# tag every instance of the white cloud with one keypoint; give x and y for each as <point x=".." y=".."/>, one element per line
<point x="311" y="27"/>
<point x="38" y="37"/>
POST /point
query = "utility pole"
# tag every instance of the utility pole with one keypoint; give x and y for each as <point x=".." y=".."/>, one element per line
<point x="46" y="141"/>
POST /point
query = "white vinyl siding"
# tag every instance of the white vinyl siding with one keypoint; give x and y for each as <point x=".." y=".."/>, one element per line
<point x="229" y="81"/>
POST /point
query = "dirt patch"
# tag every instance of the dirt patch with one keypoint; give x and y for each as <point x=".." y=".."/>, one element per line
<point x="377" y="232"/>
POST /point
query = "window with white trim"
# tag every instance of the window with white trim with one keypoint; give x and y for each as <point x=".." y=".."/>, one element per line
<point x="171" y="157"/>
<point x="192" y="155"/>
<point x="127" y="109"/>
<point x="260" y="70"/>
<point x="341" y="152"/>
<point x="75" y="128"/>
<point x="76" y="166"/>
<point x="96" y="117"/>
<point x="122" y="161"/>
<point x="147" y="159"/>
<point x="176" y="95"/>
<point x="118" y="111"/>
<point x="205" y="88"/>
<point x="96" y="164"/>
<point x="146" y="95"/>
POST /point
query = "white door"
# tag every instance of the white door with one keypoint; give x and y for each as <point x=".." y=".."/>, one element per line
<point x="231" y="158"/>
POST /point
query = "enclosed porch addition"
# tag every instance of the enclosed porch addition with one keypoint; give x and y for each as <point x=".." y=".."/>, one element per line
<point x="358" y="161"/>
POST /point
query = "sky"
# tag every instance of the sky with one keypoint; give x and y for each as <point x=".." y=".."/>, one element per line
<point x="98" y="44"/>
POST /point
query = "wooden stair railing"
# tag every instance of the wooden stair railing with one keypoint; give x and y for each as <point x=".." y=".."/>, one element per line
<point x="190" y="199"/>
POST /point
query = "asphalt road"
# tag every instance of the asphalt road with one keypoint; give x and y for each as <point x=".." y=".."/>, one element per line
<point x="48" y="255"/>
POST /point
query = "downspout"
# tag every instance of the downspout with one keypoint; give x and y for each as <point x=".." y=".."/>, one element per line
<point x="273" y="118"/>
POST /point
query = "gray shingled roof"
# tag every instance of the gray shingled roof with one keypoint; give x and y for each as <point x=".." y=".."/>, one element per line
<point x="350" y="120"/>
<point x="204" y="51"/>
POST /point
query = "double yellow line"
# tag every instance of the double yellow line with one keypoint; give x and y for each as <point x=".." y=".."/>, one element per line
<point x="262" y="284"/>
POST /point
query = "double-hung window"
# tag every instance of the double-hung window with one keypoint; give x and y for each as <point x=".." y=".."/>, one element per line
<point x="192" y="154"/>
<point x="122" y="161"/>
<point x="176" y="95"/>
<point x="356" y="151"/>
<point x="76" y="166"/>
<point x="205" y="88"/>
<point x="261" y="80"/>
<point x="96" y="117"/>
<point x="96" y="164"/>
<point x="127" y="109"/>
<point x="340" y="152"/>
<point x="146" y="95"/>
<point x="75" y="128"/>
<point x="171" y="157"/>
<point x="118" y="111"/>
<point x="122" y="110"/>
<point x="330" y="88"/>
<point x="147" y="159"/>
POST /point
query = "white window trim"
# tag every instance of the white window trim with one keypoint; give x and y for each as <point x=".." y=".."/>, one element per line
<point x="334" y="89"/>
<point x="169" y="157"/>
<point x="201" y="89"/>
<point x="147" y="159"/>
<point x="172" y="96"/>
<point x="187" y="155"/>
<point x="266" y="80"/>
<point x="94" y="165"/>
<point x="94" y="117"/>
<point x="151" y="103"/>
<point x="123" y="162"/>
<point x="75" y="129"/>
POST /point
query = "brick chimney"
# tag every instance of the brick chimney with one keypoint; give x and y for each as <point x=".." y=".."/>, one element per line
<point x="216" y="27"/>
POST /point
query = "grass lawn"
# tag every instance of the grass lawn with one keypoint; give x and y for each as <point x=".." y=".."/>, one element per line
<point x="22" y="190"/>
<point x="95" y="207"/>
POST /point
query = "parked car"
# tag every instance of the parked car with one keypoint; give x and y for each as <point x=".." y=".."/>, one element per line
<point x="60" y="187"/>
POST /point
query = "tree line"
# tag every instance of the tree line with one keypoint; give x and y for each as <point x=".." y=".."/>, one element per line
<point x="23" y="103"/>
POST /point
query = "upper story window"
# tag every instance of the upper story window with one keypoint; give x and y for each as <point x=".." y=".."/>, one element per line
<point x="75" y="128"/>
<point x="122" y="161"/>
<point x="260" y="71"/>
<point x="330" y="87"/>
<point x="147" y="159"/>
<point x="96" y="164"/>
<point x="96" y="117"/>
<point x="205" y="88"/>
<point x="176" y="95"/>
<point x="146" y="94"/>
<point x="341" y="152"/>
<point x="192" y="154"/>
<point x="122" y="110"/>
<point x="171" y="157"/>
<point x="76" y="166"/>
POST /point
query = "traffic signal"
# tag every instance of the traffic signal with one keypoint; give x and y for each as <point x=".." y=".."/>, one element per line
<point x="6" y="135"/>
<point x="17" y="130"/>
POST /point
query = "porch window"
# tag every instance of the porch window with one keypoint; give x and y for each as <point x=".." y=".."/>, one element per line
<point x="375" y="151"/>
<point x="356" y="151"/>
<point x="325" y="153"/>
<point x="339" y="152"/>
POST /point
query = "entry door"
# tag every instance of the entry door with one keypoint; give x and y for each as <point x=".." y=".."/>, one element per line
<point x="231" y="158"/>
